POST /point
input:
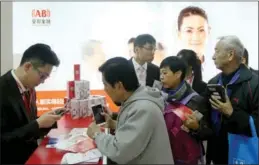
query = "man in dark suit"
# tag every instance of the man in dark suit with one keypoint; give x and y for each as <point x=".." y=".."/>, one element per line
<point x="144" y="48"/>
<point x="20" y="126"/>
<point x="245" y="61"/>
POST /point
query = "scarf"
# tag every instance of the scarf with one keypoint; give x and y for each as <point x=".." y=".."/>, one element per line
<point x="175" y="95"/>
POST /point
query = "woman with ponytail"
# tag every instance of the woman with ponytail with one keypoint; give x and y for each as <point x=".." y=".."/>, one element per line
<point x="194" y="71"/>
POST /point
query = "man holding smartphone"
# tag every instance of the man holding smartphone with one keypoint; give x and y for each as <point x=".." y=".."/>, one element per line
<point x="241" y="98"/>
<point x="141" y="131"/>
<point x="20" y="126"/>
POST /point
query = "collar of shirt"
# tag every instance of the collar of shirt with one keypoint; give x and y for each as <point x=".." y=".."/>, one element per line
<point x="137" y="66"/>
<point x="19" y="84"/>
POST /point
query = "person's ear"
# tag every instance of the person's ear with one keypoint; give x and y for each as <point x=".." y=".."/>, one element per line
<point x="178" y="74"/>
<point x="27" y="66"/>
<point x="136" y="49"/>
<point x="118" y="85"/>
<point x="179" y="35"/>
<point x="231" y="55"/>
<point x="243" y="61"/>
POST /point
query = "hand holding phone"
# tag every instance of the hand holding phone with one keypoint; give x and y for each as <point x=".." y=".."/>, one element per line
<point x="219" y="100"/>
<point x="198" y="115"/>
<point x="98" y="111"/>
<point x="62" y="111"/>
<point x="191" y="122"/>
<point x="218" y="91"/>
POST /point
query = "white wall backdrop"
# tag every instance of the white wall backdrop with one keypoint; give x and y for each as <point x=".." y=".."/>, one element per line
<point x="6" y="37"/>
<point x="113" y="23"/>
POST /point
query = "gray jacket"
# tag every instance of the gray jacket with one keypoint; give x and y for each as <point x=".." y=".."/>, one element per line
<point x="141" y="135"/>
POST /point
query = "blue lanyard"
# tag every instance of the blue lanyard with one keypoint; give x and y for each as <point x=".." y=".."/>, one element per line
<point x="215" y="114"/>
<point x="232" y="81"/>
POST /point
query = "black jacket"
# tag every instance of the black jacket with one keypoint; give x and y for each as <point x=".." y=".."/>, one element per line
<point x="244" y="99"/>
<point x="153" y="73"/>
<point x="199" y="86"/>
<point x="199" y="103"/>
<point x="19" y="132"/>
<point x="254" y="71"/>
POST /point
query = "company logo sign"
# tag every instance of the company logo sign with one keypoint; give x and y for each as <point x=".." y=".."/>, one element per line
<point x="41" y="17"/>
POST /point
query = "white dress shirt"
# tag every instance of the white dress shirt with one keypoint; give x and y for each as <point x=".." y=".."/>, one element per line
<point x="20" y="85"/>
<point x="141" y="72"/>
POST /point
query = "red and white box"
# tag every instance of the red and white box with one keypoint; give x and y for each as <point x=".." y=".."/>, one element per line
<point x="92" y="100"/>
<point x="97" y="100"/>
<point x="70" y="89"/>
<point x="75" y="109"/>
<point x="82" y="89"/>
<point x="89" y="106"/>
<point x="101" y="100"/>
<point x="84" y="108"/>
<point x="89" y="111"/>
<point x="67" y="103"/>
<point x="65" y="100"/>
<point x="77" y="73"/>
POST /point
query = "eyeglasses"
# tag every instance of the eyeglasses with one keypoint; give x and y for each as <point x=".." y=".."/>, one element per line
<point x="152" y="49"/>
<point x="43" y="76"/>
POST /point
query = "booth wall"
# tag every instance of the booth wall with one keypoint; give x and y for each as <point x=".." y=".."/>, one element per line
<point x="6" y="36"/>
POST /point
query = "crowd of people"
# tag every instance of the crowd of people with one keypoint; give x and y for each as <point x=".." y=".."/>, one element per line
<point x="146" y="131"/>
<point x="181" y="78"/>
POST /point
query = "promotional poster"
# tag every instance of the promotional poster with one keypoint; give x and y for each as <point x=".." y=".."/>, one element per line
<point x="89" y="33"/>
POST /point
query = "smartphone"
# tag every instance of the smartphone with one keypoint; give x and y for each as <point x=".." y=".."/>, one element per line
<point x="97" y="112"/>
<point x="218" y="91"/>
<point x="198" y="115"/>
<point x="62" y="111"/>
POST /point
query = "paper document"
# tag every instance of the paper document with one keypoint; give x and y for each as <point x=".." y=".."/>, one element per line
<point x="91" y="156"/>
<point x="77" y="141"/>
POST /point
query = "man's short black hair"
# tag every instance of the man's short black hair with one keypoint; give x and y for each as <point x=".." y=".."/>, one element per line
<point x="41" y="54"/>
<point x="246" y="56"/>
<point x="131" y="40"/>
<point x="175" y="64"/>
<point x="143" y="39"/>
<point x="119" y="69"/>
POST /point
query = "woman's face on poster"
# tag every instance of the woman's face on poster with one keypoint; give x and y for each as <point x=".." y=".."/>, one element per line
<point x="193" y="33"/>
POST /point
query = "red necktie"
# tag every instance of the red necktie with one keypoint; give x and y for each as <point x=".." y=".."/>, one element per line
<point x="27" y="102"/>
